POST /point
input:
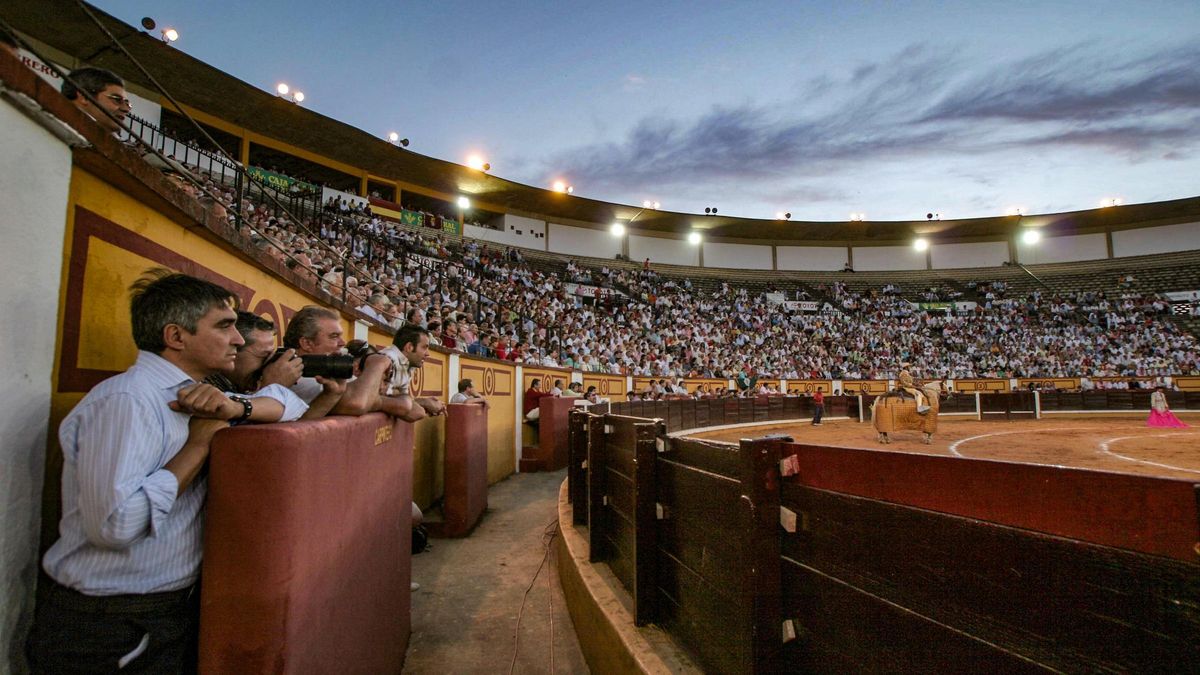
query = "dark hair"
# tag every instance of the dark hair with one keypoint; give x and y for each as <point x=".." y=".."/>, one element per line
<point x="248" y="322"/>
<point x="409" y="334"/>
<point x="89" y="79"/>
<point x="161" y="297"/>
<point x="558" y="383"/>
<point x="535" y="382"/>
<point x="304" y="325"/>
<point x="464" y="385"/>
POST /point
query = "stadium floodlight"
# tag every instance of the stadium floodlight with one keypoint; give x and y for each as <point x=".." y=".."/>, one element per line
<point x="282" y="88"/>
<point x="476" y="162"/>
<point x="1031" y="237"/>
<point x="647" y="204"/>
<point x="617" y="230"/>
<point x="561" y="186"/>
<point x="170" y="35"/>
<point x="394" y="137"/>
<point x="1110" y="201"/>
<point x="298" y="97"/>
<point x="921" y="244"/>
<point x="694" y="238"/>
<point x="464" y="203"/>
<point x="1016" y="211"/>
<point x="857" y="217"/>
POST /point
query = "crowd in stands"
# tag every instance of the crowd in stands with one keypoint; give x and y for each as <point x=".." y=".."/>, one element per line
<point x="662" y="326"/>
<point x="490" y="302"/>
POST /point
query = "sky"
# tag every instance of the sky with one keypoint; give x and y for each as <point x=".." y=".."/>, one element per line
<point x="816" y="108"/>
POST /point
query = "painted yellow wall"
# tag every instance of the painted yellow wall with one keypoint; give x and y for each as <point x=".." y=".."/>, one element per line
<point x="498" y="383"/>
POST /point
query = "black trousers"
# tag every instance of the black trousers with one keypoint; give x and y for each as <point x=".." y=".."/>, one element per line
<point x="818" y="411"/>
<point x="77" y="633"/>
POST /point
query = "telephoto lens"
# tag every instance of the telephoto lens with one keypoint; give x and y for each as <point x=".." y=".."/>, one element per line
<point x="334" y="366"/>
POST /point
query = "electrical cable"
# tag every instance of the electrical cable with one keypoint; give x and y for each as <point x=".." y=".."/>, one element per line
<point x="548" y="535"/>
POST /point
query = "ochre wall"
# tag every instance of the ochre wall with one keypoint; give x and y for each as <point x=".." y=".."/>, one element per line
<point x="496" y="381"/>
<point x="611" y="387"/>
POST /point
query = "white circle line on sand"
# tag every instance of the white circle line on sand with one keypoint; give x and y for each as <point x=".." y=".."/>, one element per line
<point x="1104" y="447"/>
<point x="954" y="446"/>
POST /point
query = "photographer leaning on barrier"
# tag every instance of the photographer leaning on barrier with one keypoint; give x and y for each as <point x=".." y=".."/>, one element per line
<point x="315" y="331"/>
<point x="121" y="579"/>
<point x="260" y="367"/>
<point x="390" y="372"/>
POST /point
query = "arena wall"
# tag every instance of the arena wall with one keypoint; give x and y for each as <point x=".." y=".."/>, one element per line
<point x="1070" y="248"/>
<point x="518" y="231"/>
<point x="738" y="256"/>
<point x="497" y="381"/>
<point x="1150" y="240"/>
<point x="581" y="241"/>
<point x="811" y="258"/>
<point x="667" y="251"/>
<point x="885" y="258"/>
<point x="35" y="173"/>
<point x="981" y="254"/>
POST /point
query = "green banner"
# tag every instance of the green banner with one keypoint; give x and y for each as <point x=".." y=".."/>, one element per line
<point x="451" y="226"/>
<point x="943" y="306"/>
<point x="412" y="218"/>
<point x="279" y="181"/>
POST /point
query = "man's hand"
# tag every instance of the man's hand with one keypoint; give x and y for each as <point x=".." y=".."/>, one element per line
<point x="331" y="386"/>
<point x="202" y="429"/>
<point x="432" y="406"/>
<point x="205" y="400"/>
<point x="285" y="370"/>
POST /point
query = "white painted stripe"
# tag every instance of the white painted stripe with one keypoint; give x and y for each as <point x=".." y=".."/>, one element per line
<point x="1105" y="448"/>
<point x="954" y="446"/>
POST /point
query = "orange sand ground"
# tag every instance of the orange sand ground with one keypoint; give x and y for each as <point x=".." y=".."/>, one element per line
<point x="1117" y="445"/>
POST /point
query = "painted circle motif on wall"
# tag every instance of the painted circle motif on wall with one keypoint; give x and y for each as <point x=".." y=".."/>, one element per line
<point x="604" y="387"/>
<point x="418" y="382"/>
<point x="489" y="381"/>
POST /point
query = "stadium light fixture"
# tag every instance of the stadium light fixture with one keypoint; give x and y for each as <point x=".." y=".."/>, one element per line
<point x="1016" y="211"/>
<point x="282" y="89"/>
<point x="561" y="186"/>
<point x="463" y="203"/>
<point x="647" y="204"/>
<point x="710" y="210"/>
<point x="694" y="238"/>
<point x="617" y="230"/>
<point x="1111" y="201"/>
<point x="476" y="162"/>
<point x="170" y="35"/>
<point x="921" y="244"/>
<point x="1031" y="237"/>
<point x="857" y="217"/>
<point x="780" y="215"/>
<point x="298" y="97"/>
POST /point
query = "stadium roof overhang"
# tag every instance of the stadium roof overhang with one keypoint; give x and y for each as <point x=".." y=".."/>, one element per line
<point x="63" y="25"/>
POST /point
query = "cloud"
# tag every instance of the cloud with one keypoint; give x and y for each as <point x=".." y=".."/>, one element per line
<point x="920" y="106"/>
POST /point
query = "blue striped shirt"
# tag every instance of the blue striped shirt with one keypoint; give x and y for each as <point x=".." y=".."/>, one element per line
<point x="124" y="528"/>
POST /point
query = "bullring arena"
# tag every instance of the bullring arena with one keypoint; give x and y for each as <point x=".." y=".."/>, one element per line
<point x="1121" y="445"/>
<point x="629" y="479"/>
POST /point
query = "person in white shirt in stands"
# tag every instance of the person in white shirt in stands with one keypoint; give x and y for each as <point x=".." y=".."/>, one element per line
<point x="122" y="575"/>
<point x="468" y="395"/>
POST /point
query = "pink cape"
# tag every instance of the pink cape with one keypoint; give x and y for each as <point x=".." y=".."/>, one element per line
<point x="1165" y="419"/>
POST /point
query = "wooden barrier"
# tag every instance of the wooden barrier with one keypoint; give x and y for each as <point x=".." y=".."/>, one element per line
<point x="466" y="490"/>
<point x="891" y="561"/>
<point x="550" y="454"/>
<point x="307" y="550"/>
<point x="945" y="565"/>
<point x="620" y="486"/>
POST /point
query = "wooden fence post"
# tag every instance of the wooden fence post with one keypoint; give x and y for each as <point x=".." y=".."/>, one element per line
<point x="595" y="490"/>
<point x="645" y="529"/>
<point x="760" y="511"/>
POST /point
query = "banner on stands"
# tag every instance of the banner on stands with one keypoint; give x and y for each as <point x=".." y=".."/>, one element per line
<point x="590" y="291"/>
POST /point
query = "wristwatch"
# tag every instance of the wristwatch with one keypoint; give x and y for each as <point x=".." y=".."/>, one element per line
<point x="247" y="408"/>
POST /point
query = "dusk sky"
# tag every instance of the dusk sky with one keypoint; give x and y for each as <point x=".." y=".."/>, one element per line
<point x="822" y="109"/>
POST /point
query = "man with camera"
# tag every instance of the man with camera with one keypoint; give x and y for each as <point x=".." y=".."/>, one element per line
<point x="121" y="579"/>
<point x="409" y="348"/>
<point x="260" y="367"/>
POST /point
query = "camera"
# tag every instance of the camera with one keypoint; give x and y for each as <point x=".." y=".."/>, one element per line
<point x="333" y="366"/>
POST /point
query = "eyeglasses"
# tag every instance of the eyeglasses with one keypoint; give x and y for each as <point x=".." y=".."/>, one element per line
<point x="119" y="100"/>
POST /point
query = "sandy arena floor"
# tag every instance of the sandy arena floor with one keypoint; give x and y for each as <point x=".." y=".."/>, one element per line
<point x="1119" y="445"/>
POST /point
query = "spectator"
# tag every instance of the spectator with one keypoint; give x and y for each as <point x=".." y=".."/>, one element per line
<point x="468" y="395"/>
<point x="818" y="407"/>
<point x="111" y="104"/>
<point x="122" y="574"/>
<point x="529" y="406"/>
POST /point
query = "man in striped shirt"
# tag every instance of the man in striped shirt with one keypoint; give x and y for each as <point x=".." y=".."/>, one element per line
<point x="122" y="575"/>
